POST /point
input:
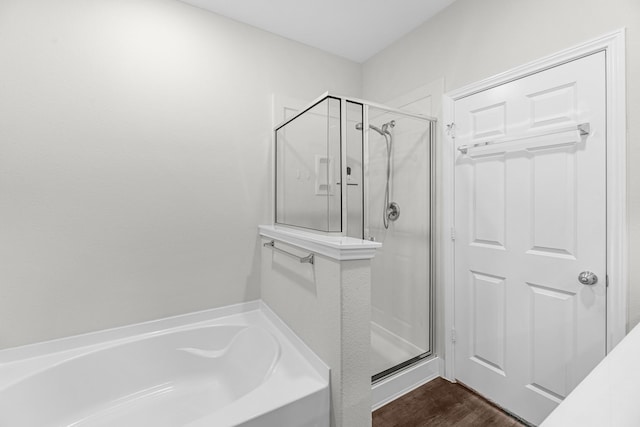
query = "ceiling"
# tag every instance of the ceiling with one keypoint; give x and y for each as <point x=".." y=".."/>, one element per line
<point x="353" y="29"/>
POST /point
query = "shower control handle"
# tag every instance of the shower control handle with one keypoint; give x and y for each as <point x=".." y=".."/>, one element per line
<point x="587" y="278"/>
<point x="393" y="211"/>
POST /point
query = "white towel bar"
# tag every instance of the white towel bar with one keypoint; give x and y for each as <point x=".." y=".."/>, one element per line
<point x="583" y="128"/>
<point x="272" y="245"/>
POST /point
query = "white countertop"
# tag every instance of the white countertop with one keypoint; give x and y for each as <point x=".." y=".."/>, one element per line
<point x="610" y="395"/>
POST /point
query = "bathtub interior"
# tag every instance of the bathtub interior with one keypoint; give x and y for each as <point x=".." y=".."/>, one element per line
<point x="164" y="378"/>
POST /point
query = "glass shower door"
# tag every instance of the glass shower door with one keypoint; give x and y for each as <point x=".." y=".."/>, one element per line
<point x="398" y="197"/>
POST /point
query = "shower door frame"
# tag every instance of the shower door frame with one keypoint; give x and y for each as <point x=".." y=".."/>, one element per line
<point x="432" y="243"/>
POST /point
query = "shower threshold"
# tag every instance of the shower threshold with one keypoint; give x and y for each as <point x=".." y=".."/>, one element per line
<point x="399" y="367"/>
<point x="390" y="353"/>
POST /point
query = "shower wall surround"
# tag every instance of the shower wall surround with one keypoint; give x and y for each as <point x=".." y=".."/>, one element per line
<point x="135" y="145"/>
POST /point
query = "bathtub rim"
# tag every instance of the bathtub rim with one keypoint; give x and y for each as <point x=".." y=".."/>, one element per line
<point x="27" y="358"/>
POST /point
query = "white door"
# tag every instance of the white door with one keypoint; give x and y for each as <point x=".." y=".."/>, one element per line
<point x="529" y="218"/>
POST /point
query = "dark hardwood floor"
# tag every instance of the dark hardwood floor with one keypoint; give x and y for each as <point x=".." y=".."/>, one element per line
<point x="441" y="403"/>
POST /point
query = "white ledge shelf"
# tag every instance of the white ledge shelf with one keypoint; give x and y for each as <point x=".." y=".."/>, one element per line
<point x="336" y="247"/>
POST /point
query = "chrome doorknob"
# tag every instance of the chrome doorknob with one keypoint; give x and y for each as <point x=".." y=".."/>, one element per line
<point x="587" y="278"/>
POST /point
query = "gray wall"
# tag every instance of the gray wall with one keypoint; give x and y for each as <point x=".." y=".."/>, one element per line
<point x="134" y="159"/>
<point x="135" y="142"/>
<point x="472" y="40"/>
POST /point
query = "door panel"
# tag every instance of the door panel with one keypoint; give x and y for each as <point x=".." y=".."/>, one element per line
<point x="488" y="208"/>
<point x="553" y="195"/>
<point x="530" y="216"/>
<point x="489" y="334"/>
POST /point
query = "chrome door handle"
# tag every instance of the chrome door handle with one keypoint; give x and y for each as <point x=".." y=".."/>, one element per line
<point x="587" y="278"/>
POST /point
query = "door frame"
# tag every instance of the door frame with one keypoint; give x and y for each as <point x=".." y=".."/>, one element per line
<point x="617" y="265"/>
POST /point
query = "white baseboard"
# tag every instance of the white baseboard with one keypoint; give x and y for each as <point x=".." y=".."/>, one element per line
<point x="403" y="382"/>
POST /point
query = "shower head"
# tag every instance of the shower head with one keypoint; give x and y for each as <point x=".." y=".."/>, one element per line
<point x="390" y="124"/>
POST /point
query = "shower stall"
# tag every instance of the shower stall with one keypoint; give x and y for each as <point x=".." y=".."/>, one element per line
<point x="353" y="168"/>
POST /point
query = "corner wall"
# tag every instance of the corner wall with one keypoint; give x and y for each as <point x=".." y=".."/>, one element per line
<point x="134" y="159"/>
<point x="328" y="305"/>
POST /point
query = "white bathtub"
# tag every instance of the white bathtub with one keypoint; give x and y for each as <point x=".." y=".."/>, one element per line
<point x="236" y="366"/>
